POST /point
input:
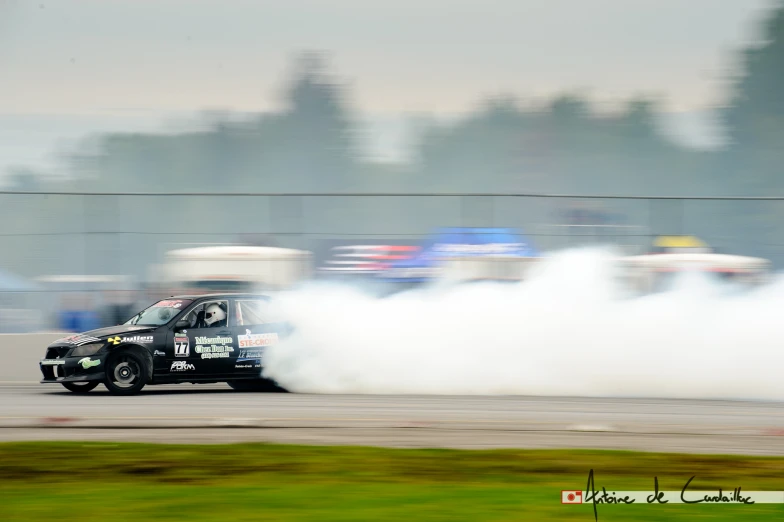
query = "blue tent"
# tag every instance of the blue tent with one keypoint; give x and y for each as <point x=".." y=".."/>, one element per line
<point x="448" y="242"/>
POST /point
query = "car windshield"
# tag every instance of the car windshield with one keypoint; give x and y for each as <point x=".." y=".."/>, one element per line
<point x="160" y="313"/>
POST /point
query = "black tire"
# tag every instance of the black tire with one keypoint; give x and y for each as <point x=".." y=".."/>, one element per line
<point x="126" y="372"/>
<point x="256" y="385"/>
<point x="81" y="387"/>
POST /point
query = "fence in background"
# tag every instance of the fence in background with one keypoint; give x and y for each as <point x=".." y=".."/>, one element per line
<point x="124" y="234"/>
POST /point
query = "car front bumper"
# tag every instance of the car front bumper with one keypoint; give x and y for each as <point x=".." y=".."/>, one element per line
<point x="71" y="369"/>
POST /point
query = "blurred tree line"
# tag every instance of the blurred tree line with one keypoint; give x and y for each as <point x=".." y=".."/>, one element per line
<point x="309" y="145"/>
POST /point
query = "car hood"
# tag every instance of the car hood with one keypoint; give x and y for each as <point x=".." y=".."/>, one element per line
<point x="100" y="333"/>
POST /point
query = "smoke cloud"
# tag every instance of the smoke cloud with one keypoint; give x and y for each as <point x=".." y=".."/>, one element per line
<point x="570" y="330"/>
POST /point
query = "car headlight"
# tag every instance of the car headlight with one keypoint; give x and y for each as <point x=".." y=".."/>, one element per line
<point x="86" y="349"/>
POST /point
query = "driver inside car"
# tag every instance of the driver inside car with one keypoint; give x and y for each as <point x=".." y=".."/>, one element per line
<point x="215" y="316"/>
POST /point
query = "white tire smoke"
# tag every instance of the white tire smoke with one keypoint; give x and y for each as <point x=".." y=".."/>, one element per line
<point x="568" y="331"/>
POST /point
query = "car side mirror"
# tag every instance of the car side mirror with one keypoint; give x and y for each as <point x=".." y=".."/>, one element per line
<point x="182" y="324"/>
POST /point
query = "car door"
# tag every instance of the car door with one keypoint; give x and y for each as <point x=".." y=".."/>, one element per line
<point x="203" y="350"/>
<point x="255" y="329"/>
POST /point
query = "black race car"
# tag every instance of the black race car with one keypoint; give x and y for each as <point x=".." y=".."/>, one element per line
<point x="197" y="339"/>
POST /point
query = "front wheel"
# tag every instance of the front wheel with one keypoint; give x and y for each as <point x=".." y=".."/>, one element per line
<point x="256" y="385"/>
<point x="80" y="387"/>
<point x="126" y="372"/>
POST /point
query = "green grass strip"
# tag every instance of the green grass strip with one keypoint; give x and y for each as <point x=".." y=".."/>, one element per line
<point x="85" y="481"/>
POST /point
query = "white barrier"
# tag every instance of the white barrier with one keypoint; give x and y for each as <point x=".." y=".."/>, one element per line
<point x="20" y="353"/>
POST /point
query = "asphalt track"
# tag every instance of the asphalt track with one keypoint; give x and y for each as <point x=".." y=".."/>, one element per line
<point x="216" y="414"/>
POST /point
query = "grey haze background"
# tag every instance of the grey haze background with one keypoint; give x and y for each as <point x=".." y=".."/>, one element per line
<point x="70" y="68"/>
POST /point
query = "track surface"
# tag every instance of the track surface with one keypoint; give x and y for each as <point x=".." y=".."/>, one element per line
<point x="217" y="414"/>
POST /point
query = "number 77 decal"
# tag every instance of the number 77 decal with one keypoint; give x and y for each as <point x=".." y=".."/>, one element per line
<point x="181" y="346"/>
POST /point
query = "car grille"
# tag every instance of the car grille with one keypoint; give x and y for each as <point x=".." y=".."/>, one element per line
<point x="57" y="353"/>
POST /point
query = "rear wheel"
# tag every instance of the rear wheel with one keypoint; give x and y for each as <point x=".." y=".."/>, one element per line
<point x="126" y="372"/>
<point x="256" y="385"/>
<point x="80" y="387"/>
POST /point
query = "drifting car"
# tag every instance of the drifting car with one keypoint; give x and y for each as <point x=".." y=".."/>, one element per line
<point x="196" y="339"/>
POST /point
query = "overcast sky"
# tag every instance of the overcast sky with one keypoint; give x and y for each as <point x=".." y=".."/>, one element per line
<point x="402" y="55"/>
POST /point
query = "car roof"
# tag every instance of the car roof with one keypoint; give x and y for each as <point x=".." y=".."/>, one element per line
<point x="212" y="296"/>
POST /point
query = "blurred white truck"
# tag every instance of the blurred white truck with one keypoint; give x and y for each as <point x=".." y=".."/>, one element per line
<point x="234" y="268"/>
<point x="674" y="254"/>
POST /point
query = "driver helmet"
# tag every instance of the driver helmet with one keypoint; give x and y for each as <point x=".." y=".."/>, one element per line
<point x="214" y="313"/>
